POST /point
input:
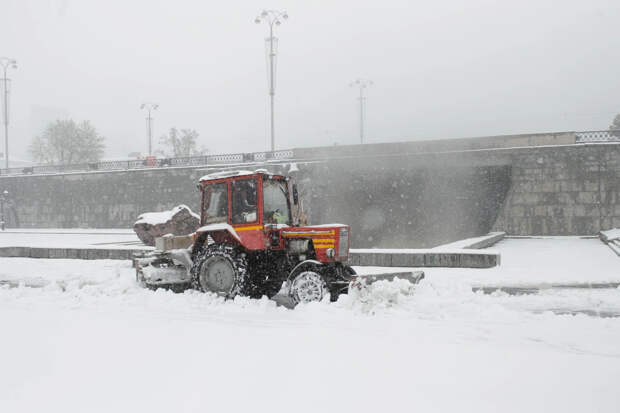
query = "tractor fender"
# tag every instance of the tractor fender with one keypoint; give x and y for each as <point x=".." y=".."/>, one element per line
<point x="221" y="233"/>
<point x="306" y="263"/>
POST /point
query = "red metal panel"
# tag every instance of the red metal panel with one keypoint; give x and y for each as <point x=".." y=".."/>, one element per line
<point x="252" y="239"/>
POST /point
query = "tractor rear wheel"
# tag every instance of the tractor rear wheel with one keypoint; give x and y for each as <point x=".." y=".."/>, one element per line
<point x="307" y="285"/>
<point x="221" y="269"/>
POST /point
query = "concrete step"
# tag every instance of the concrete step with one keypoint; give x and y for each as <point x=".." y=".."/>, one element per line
<point x="380" y="258"/>
<point x="425" y="258"/>
<point x="70" y="253"/>
<point x="612" y="239"/>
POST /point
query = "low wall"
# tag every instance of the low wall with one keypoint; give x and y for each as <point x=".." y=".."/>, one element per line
<point x="425" y="258"/>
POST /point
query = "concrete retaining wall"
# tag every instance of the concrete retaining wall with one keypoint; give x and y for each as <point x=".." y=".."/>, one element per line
<point x="573" y="190"/>
<point x="410" y="194"/>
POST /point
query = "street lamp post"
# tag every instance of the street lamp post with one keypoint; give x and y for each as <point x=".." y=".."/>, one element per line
<point x="149" y="126"/>
<point x="361" y="84"/>
<point x="272" y="17"/>
<point x="6" y="62"/>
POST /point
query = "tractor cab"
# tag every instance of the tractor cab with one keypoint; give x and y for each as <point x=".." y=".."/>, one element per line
<point x="245" y="199"/>
<point x="252" y="203"/>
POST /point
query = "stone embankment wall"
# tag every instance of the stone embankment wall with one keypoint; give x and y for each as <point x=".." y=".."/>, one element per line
<point x="416" y="194"/>
<point x="98" y="200"/>
<point x="571" y="190"/>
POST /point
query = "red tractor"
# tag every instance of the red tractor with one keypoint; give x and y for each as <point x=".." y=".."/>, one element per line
<point x="250" y="242"/>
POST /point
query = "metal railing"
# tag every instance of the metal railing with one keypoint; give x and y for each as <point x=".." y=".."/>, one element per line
<point x="190" y="161"/>
<point x="598" y="136"/>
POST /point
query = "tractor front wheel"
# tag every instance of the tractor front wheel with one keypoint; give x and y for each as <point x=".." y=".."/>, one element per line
<point x="307" y="285"/>
<point x="221" y="269"/>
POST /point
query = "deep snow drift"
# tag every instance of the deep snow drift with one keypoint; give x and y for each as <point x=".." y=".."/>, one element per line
<point x="81" y="336"/>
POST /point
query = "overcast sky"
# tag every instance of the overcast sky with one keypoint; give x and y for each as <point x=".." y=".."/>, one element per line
<point x="440" y="69"/>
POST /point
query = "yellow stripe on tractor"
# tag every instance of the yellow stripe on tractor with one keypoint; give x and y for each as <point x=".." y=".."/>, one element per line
<point x="306" y="234"/>
<point x="249" y="228"/>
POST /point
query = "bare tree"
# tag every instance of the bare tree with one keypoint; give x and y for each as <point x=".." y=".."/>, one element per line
<point x="179" y="144"/>
<point x="615" y="125"/>
<point x="66" y="142"/>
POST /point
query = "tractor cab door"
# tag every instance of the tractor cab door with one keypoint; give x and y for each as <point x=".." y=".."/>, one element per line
<point x="245" y="216"/>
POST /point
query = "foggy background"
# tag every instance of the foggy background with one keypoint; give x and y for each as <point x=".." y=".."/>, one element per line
<point x="441" y="69"/>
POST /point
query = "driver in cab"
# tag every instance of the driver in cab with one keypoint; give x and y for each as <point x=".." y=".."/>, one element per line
<point x="244" y="202"/>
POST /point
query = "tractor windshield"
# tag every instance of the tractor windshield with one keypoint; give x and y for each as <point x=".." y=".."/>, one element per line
<point x="215" y="203"/>
<point x="276" y="205"/>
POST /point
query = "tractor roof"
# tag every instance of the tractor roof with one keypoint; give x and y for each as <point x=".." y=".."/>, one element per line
<point x="230" y="174"/>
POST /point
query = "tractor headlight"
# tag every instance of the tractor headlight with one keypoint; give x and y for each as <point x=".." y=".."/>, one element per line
<point x="330" y="252"/>
<point x="343" y="244"/>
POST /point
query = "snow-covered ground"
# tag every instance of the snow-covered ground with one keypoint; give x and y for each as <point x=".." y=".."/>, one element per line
<point x="84" y="337"/>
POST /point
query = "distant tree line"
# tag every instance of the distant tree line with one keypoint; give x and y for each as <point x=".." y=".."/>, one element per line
<point x="180" y="144"/>
<point x="65" y="142"/>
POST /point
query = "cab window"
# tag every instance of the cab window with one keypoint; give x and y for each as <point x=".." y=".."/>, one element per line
<point x="215" y="203"/>
<point x="243" y="193"/>
<point x="275" y="202"/>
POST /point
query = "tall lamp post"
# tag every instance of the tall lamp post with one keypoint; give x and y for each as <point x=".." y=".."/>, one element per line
<point x="272" y="17"/>
<point x="6" y="62"/>
<point x="149" y="107"/>
<point x="361" y="84"/>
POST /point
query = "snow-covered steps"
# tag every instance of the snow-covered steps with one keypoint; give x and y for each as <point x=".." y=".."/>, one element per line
<point x="449" y="258"/>
<point x="612" y="239"/>
<point x="476" y="243"/>
<point x="465" y="253"/>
